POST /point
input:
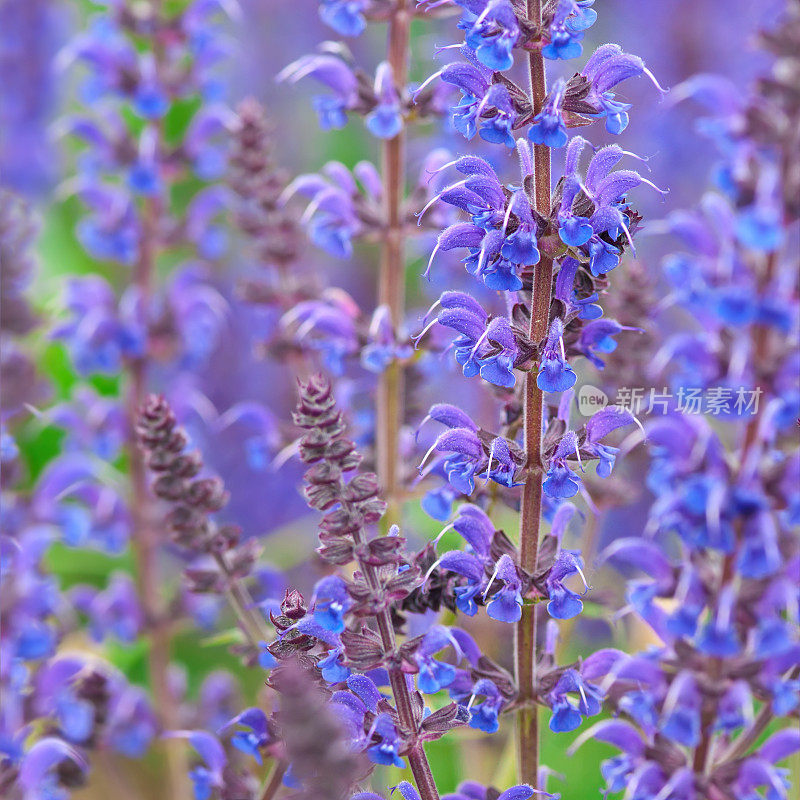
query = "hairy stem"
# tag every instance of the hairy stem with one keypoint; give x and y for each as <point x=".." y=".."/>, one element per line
<point x="525" y="644"/>
<point x="144" y="539"/>
<point x="420" y="768"/>
<point x="241" y="603"/>
<point x="391" y="279"/>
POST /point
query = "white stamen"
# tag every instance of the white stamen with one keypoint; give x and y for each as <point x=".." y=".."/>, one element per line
<point x="429" y="468"/>
<point x="431" y="309"/>
<point x="491" y="581"/>
<point x="434" y="199"/>
<point x="70" y="489"/>
<point x="652" y="185"/>
<point x="628" y="237"/>
<point x="643" y="159"/>
<point x="583" y="695"/>
<point x="478" y="343"/>
<point x="307" y="326"/>
<point x="424" y="84"/>
<point x="416" y="339"/>
<point x="489" y="466"/>
<point x="419" y="427"/>
<point x="578" y="454"/>
<point x="427" y="272"/>
<point x="508" y="213"/>
<point x="583" y="578"/>
<point x="35" y="411"/>
<point x="641" y="427"/>
<point x="312" y="207"/>
<point x="434" y="172"/>
<point x="425" y="458"/>
<point x="282" y="456"/>
<point x="655" y="81"/>
<point x="443" y="531"/>
<point x="430" y="572"/>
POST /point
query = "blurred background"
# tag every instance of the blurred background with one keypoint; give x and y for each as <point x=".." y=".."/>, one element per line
<point x="676" y="39"/>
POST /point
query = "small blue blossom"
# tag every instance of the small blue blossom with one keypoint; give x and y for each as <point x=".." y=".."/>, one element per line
<point x="555" y="374"/>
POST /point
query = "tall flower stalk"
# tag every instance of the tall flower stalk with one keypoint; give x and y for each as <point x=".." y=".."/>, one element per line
<point x="145" y="541"/>
<point x="318" y="415"/>
<point x="551" y="256"/>
<point x="366" y="203"/>
<point x="389" y="404"/>
<point x="530" y="516"/>
<point x="132" y="55"/>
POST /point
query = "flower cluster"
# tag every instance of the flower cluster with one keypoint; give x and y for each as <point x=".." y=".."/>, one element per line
<point x="494" y="106"/>
<point x="57" y="707"/>
<point x="139" y="619"/>
<point x="328" y="664"/>
<point x="723" y="598"/>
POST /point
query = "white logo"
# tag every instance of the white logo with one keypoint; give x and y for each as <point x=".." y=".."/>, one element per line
<point x="590" y="400"/>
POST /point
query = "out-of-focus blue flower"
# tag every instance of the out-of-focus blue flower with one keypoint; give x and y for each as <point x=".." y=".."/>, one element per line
<point x="255" y="734"/>
<point x="346" y="17"/>
<point x="207" y="777"/>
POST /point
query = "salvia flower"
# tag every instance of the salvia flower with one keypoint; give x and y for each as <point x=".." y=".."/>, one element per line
<point x="570" y="18"/>
<point x="555" y="374"/>
<point x="492" y="31"/>
<point x="608" y="67"/>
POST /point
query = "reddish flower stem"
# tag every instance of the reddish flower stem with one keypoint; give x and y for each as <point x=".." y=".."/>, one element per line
<point x="391" y="278"/>
<point x="525" y="644"/>
<point x="420" y="768"/>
